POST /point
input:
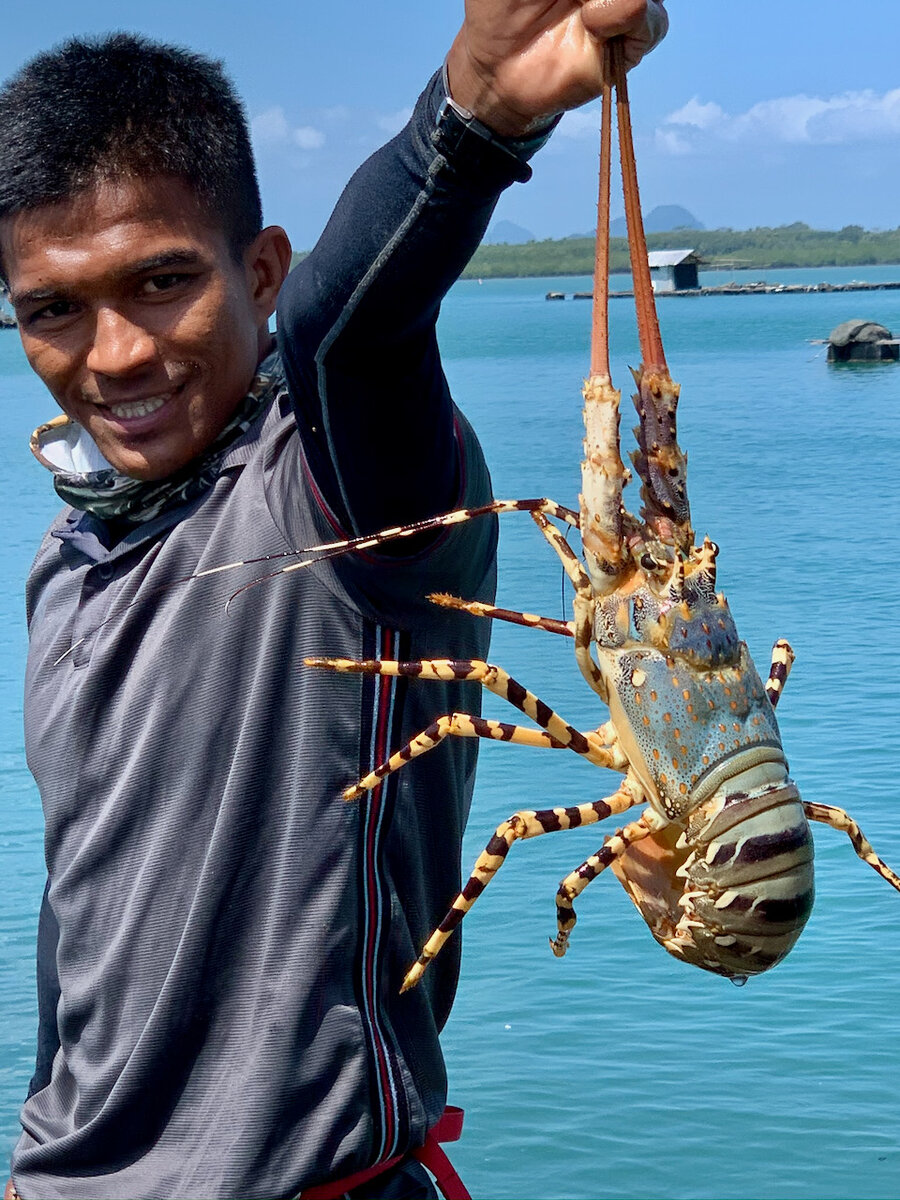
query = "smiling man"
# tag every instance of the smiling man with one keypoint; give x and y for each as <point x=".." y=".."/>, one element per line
<point x="222" y="939"/>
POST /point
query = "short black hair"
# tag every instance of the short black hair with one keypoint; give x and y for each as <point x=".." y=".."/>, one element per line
<point x="123" y="107"/>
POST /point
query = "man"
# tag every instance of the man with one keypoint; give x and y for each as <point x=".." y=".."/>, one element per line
<point x="222" y="938"/>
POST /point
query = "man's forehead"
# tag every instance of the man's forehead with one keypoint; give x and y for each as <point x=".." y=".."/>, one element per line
<point x="126" y="220"/>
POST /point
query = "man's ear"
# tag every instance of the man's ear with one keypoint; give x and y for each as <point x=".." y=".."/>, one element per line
<point x="267" y="261"/>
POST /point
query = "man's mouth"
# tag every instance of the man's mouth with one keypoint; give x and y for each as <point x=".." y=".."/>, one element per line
<point x="138" y="408"/>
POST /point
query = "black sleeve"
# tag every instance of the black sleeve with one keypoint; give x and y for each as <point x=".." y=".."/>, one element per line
<point x="356" y="319"/>
<point x="48" y="995"/>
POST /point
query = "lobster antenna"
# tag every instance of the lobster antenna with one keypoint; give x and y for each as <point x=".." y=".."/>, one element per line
<point x="600" y="316"/>
<point x="648" y="323"/>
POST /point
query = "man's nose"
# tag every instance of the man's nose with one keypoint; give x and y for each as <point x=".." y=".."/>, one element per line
<point x="120" y="346"/>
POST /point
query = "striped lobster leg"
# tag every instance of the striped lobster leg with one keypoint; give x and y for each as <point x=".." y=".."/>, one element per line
<point x="453" y="725"/>
<point x="584" y="606"/>
<point x="844" y="823"/>
<point x="782" y="661"/>
<point x="520" y="826"/>
<point x="613" y="847"/>
<point x="598" y="746"/>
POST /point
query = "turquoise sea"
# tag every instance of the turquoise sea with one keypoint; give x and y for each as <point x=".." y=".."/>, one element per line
<point x="617" y="1071"/>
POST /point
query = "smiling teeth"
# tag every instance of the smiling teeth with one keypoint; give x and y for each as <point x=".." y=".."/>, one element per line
<point x="140" y="408"/>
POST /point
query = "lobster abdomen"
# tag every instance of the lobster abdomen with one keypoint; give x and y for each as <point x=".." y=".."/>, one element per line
<point x="732" y="892"/>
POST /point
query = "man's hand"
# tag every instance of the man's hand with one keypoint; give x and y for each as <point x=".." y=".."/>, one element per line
<point x="515" y="63"/>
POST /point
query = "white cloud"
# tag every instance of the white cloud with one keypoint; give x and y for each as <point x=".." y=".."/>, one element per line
<point x="580" y="123"/>
<point x="790" y="120"/>
<point x="393" y="122"/>
<point x="272" y="128"/>
<point x="308" y="138"/>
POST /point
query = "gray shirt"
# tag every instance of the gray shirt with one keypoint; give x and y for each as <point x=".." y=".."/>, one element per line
<point x="232" y="934"/>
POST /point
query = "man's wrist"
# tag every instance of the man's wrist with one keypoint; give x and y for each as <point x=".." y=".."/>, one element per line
<point x="465" y="138"/>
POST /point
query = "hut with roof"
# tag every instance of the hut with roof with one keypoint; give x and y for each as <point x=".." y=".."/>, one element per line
<point x="674" y="270"/>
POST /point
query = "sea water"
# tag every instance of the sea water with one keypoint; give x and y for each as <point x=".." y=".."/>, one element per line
<point x="617" y="1071"/>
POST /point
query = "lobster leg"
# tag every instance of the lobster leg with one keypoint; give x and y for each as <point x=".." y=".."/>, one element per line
<point x="521" y="825"/>
<point x="590" y="745"/>
<point x="454" y="725"/>
<point x="478" y="609"/>
<point x="574" y="884"/>
<point x="584" y="606"/>
<point x="782" y="661"/>
<point x="842" y="821"/>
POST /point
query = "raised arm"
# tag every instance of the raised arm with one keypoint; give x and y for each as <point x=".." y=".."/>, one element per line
<point x="357" y="318"/>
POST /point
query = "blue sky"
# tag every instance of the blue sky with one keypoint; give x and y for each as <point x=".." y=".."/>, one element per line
<point x="755" y="113"/>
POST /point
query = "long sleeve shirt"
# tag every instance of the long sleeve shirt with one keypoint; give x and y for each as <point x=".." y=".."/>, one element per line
<point x="223" y="937"/>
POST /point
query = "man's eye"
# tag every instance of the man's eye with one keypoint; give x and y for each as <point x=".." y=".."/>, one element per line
<point x="163" y="283"/>
<point x="56" y="309"/>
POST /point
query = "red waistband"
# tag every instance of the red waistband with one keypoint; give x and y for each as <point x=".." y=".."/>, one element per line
<point x="448" y="1129"/>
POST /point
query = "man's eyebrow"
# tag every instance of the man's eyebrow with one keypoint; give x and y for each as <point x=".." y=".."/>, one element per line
<point x="165" y="261"/>
<point x="168" y="260"/>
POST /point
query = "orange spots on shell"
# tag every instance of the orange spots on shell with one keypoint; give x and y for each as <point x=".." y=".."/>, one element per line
<point x="675" y="763"/>
<point x="675" y="681"/>
<point x="705" y="760"/>
<point x="667" y="717"/>
<point x="654" y="696"/>
<point x="721" y="728"/>
<point x="638" y="699"/>
<point x="721" y="745"/>
<point x="727" y="691"/>
<point x="646" y="720"/>
<point x="682" y="787"/>
<point x="733" y="706"/>
<point x="656" y="754"/>
<point x="686" y="695"/>
<point x="736" y="727"/>
<point x="676" y="733"/>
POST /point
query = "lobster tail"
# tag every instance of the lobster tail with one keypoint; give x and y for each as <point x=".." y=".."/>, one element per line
<point x="733" y="894"/>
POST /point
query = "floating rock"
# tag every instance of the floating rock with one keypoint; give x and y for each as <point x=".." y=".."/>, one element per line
<point x="862" y="341"/>
<point x="858" y="331"/>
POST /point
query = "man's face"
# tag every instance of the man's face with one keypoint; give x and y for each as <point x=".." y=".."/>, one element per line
<point x="135" y="315"/>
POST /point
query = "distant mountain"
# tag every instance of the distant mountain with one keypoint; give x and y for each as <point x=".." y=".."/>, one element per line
<point x="507" y="233"/>
<point x="662" y="219"/>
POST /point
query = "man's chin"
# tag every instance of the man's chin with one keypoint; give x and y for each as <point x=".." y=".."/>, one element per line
<point x="150" y="465"/>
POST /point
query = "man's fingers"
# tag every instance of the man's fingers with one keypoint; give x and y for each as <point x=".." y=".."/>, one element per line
<point x="642" y="24"/>
<point x="657" y="26"/>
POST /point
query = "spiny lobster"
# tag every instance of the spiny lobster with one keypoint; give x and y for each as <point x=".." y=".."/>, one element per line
<point x="720" y="862"/>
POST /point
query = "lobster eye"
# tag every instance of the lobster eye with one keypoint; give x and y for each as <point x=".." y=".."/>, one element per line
<point x="649" y="563"/>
